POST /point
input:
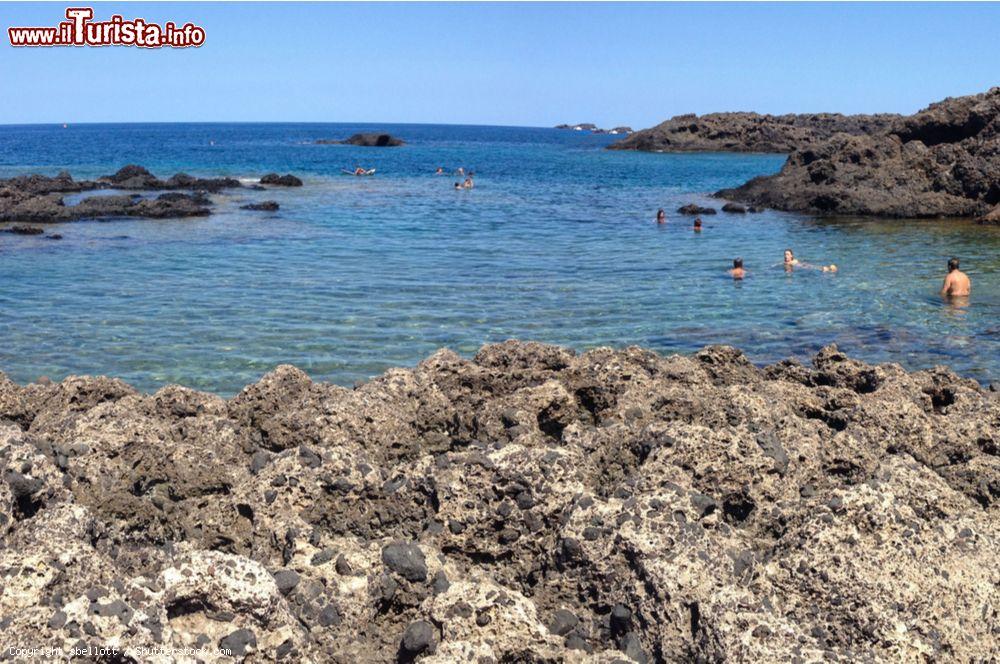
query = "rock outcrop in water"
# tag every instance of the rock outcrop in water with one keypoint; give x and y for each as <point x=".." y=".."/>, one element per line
<point x="287" y="180"/>
<point x="368" y="140"/>
<point x="529" y="504"/>
<point x="39" y="198"/>
<point x="943" y="161"/>
<point x="749" y="132"/>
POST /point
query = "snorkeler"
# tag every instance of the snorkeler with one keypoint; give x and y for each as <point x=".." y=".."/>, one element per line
<point x="661" y="216"/>
<point x="738" y="272"/>
<point x="956" y="283"/>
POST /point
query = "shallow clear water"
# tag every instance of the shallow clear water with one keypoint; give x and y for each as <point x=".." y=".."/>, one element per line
<point x="556" y="243"/>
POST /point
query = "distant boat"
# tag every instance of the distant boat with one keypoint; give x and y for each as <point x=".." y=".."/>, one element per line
<point x="65" y="126"/>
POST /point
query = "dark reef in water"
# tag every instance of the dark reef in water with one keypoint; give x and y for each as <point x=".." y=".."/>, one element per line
<point x="529" y="504"/>
<point x="39" y="198"/>
<point x="369" y="140"/>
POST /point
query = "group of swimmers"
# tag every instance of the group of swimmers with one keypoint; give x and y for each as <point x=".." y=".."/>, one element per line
<point x="790" y="262"/>
<point x="661" y="218"/>
<point x="466" y="184"/>
<point x="956" y="283"/>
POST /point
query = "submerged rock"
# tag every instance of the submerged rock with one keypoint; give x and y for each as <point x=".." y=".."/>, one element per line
<point x="528" y="504"/>
<point x="263" y="206"/>
<point x="692" y="209"/>
<point x="24" y="230"/>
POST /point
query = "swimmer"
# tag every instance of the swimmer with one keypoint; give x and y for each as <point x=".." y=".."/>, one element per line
<point x="460" y="171"/>
<point x="792" y="262"/>
<point x="738" y="272"/>
<point x="359" y="171"/>
<point x="439" y="171"/>
<point x="661" y="216"/>
<point x="957" y="283"/>
<point x="468" y="183"/>
<point x="458" y="186"/>
<point x="697" y="224"/>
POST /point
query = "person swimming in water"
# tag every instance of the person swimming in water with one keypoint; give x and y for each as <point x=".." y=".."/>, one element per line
<point x="439" y="171"/>
<point x="791" y="262"/>
<point x="460" y="171"/>
<point x="956" y="283"/>
<point x="697" y="224"/>
<point x="468" y="184"/>
<point x="458" y="186"/>
<point x="738" y="272"/>
<point x="661" y="216"/>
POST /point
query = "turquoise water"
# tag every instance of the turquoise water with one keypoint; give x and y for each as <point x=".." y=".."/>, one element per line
<point x="556" y="243"/>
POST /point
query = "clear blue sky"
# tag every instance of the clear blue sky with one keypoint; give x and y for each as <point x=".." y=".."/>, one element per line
<point x="512" y="64"/>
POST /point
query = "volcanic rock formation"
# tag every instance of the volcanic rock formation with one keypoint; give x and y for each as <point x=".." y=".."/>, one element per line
<point x="39" y="198"/>
<point x="368" y="140"/>
<point x="943" y="161"/>
<point x="527" y="505"/>
<point x="287" y="180"/>
<point x="749" y="132"/>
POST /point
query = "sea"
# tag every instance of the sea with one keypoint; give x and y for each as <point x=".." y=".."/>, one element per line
<point x="555" y="243"/>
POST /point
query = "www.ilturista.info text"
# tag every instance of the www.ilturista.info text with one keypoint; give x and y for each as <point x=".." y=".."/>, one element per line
<point x="80" y="30"/>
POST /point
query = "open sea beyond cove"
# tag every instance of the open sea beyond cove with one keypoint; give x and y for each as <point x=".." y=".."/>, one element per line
<point x="556" y="243"/>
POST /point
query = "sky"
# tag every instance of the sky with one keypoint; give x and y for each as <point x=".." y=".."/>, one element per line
<point x="528" y="64"/>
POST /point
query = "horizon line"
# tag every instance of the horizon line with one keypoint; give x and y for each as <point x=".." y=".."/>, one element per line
<point x="305" y="122"/>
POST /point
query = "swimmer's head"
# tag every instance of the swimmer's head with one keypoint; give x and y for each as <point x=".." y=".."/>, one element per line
<point x="660" y="214"/>
<point x="953" y="265"/>
<point x="697" y="222"/>
<point x="737" y="263"/>
<point x="789" y="256"/>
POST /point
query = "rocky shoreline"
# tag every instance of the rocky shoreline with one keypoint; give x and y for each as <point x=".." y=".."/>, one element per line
<point x="749" y="132"/>
<point x="529" y="504"/>
<point x="943" y="161"/>
<point x="40" y="198"/>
